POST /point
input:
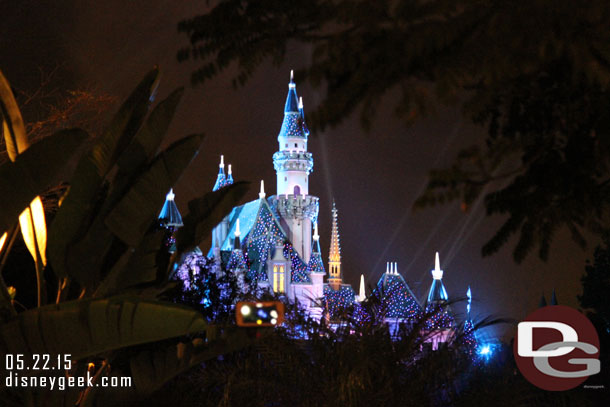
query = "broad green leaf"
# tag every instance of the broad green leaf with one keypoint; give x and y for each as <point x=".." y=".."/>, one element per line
<point x="137" y="210"/>
<point x="143" y="147"/>
<point x="79" y="205"/>
<point x="135" y="268"/>
<point x="148" y="139"/>
<point x="15" y="137"/>
<point x="85" y="328"/>
<point x="151" y="369"/>
<point x="206" y="212"/>
<point x="33" y="171"/>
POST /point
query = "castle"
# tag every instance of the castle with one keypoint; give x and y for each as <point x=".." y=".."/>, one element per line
<point x="273" y="242"/>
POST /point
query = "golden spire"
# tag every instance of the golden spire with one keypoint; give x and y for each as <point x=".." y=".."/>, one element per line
<point x="334" y="257"/>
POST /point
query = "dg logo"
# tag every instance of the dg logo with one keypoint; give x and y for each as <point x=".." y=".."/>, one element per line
<point x="557" y="348"/>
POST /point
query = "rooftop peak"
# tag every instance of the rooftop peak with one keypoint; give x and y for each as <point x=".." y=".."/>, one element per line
<point x="237" y="231"/>
<point x="222" y="162"/>
<point x="437" y="273"/>
<point x="170" y="195"/>
<point x="261" y="194"/>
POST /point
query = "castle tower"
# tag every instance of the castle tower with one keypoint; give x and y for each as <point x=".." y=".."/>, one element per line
<point x="334" y="255"/>
<point x="437" y="294"/>
<point x="293" y="164"/>
<point x="170" y="219"/>
<point x="219" y="234"/>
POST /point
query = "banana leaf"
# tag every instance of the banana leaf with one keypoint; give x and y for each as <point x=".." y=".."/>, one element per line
<point x="132" y="217"/>
<point x="15" y="136"/>
<point x="80" y="204"/>
<point x="33" y="171"/>
<point x="84" y="328"/>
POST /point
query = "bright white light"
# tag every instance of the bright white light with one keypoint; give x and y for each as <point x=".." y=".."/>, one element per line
<point x="273" y="314"/>
<point x="485" y="351"/>
<point x="273" y="321"/>
<point x="245" y="310"/>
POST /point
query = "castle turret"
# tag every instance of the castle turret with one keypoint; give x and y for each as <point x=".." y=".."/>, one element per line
<point x="170" y="219"/>
<point x="221" y="178"/>
<point x="437" y="294"/>
<point x="219" y="234"/>
<point x="362" y="291"/>
<point x="334" y="256"/>
<point x="169" y="215"/>
<point x="293" y="164"/>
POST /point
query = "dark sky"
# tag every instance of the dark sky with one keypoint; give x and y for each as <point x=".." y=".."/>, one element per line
<point x="374" y="177"/>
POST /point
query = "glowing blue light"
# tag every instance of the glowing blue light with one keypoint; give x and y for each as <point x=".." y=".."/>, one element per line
<point x="486" y="351"/>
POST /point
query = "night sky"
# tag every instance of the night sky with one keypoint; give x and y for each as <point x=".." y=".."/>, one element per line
<point x="374" y="177"/>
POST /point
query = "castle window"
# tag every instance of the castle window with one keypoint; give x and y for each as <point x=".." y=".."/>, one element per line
<point x="278" y="278"/>
<point x="296" y="145"/>
<point x="285" y="178"/>
<point x="297" y="190"/>
<point x="286" y="145"/>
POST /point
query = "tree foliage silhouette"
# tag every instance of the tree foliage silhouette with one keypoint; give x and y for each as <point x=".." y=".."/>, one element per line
<point x="534" y="74"/>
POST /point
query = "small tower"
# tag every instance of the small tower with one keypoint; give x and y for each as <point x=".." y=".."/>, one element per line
<point x="293" y="164"/>
<point x="334" y="255"/>
<point x="362" y="291"/>
<point x="229" y="180"/>
<point x="437" y="294"/>
<point x="220" y="232"/>
<point x="170" y="219"/>
<point x="221" y="178"/>
<point x="440" y="319"/>
<point x="169" y="215"/>
<point x="279" y="270"/>
<point x="317" y="272"/>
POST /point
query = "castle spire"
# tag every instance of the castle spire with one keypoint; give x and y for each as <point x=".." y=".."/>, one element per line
<point x="237" y="243"/>
<point x="220" y="179"/>
<point x="469" y="296"/>
<point x="261" y="194"/>
<point x="554" y="298"/>
<point x="437" y="291"/>
<point x="362" y="292"/>
<point x="229" y="180"/>
<point x="169" y="213"/>
<point x="334" y="256"/>
<point x="292" y="101"/>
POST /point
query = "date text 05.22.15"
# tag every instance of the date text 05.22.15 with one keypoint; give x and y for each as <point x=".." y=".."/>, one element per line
<point x="37" y="361"/>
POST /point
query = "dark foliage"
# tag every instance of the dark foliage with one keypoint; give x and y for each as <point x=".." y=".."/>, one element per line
<point x="534" y="74"/>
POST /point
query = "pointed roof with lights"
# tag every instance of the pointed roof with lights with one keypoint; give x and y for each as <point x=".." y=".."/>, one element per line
<point x="169" y="213"/>
<point x="229" y="180"/>
<point x="440" y="316"/>
<point x="221" y="178"/>
<point x="397" y="299"/>
<point x="237" y="260"/>
<point x="316" y="265"/>
<point x="293" y="124"/>
<point x="437" y="293"/>
<point x="334" y="254"/>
